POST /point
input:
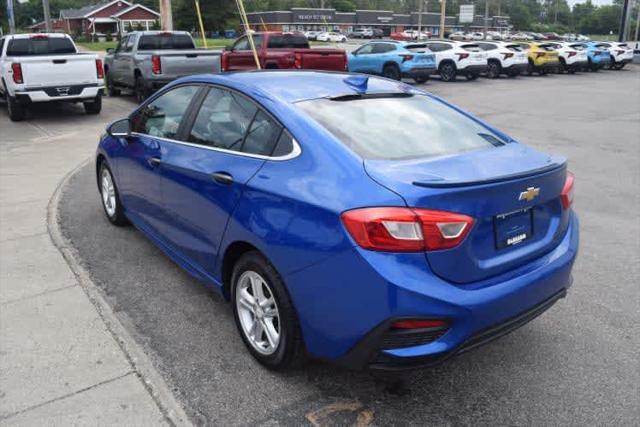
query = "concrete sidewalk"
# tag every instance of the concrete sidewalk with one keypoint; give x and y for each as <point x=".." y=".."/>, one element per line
<point x="62" y="360"/>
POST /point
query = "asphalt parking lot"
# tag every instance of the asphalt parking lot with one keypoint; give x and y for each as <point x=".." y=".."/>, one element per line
<point x="575" y="365"/>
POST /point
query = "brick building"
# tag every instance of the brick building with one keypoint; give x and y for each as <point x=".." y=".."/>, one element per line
<point x="113" y="17"/>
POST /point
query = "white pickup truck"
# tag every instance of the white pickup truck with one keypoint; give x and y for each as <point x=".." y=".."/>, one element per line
<point x="45" y="68"/>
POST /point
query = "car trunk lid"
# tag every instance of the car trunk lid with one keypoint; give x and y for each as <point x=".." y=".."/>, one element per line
<point x="512" y="192"/>
<point x="63" y="70"/>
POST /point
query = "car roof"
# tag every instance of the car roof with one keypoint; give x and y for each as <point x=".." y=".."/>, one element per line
<point x="294" y="86"/>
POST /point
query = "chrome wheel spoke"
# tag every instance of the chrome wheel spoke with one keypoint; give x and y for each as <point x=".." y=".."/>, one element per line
<point x="257" y="311"/>
<point x="272" y="335"/>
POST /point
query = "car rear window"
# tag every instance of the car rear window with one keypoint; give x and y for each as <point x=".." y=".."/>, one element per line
<point x="399" y="127"/>
<point x="165" y="42"/>
<point x="288" y="41"/>
<point x="40" y="46"/>
<point x="577" y="46"/>
<point x="515" y="47"/>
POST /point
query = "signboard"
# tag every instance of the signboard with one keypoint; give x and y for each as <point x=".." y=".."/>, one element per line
<point x="466" y="13"/>
<point x="312" y="15"/>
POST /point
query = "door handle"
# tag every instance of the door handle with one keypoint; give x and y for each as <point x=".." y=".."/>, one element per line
<point x="154" y="161"/>
<point x="222" y="178"/>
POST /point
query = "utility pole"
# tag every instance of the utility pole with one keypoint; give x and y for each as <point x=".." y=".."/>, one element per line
<point x="623" y="21"/>
<point x="166" y="17"/>
<point x="47" y="15"/>
<point x="10" y="17"/>
<point x="443" y="8"/>
<point x="486" y="18"/>
<point x="637" y="24"/>
<point x="420" y="4"/>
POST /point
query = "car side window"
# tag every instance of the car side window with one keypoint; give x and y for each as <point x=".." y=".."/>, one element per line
<point x="366" y="49"/>
<point x="130" y="42"/>
<point x="434" y="47"/>
<point x="162" y="117"/>
<point x="284" y="145"/>
<point x="383" y="48"/>
<point x="1" y="45"/>
<point x="223" y="120"/>
<point x="444" y="46"/>
<point x="241" y="44"/>
<point x="121" y="44"/>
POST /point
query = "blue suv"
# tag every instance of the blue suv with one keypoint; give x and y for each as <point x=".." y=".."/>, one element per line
<point x="394" y="60"/>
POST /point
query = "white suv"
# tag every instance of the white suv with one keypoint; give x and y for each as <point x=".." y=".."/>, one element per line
<point x="504" y="58"/>
<point x="621" y="54"/>
<point x="572" y="56"/>
<point x="453" y="58"/>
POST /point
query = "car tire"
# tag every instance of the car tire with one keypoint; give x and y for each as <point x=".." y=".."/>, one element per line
<point x="447" y="71"/>
<point x="391" y="71"/>
<point x="110" y="196"/>
<point x="93" y="107"/>
<point x="563" y="67"/>
<point x="619" y="66"/>
<point x="17" y="111"/>
<point x="140" y="90"/>
<point x="542" y="72"/>
<point x="472" y="76"/>
<point x="421" y="79"/>
<point x="283" y="347"/>
<point x="493" y="69"/>
<point x="111" y="89"/>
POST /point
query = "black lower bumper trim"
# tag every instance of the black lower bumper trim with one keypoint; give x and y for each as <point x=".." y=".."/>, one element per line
<point x="473" y="69"/>
<point x="367" y="353"/>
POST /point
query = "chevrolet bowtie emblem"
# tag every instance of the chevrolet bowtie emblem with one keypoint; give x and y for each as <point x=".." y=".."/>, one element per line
<point x="530" y="194"/>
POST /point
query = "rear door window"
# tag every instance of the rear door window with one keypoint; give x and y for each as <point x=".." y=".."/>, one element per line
<point x="40" y="45"/>
<point x="223" y="120"/>
<point x="162" y="117"/>
<point x="471" y="47"/>
<point x="288" y="41"/>
<point x="399" y="127"/>
<point x="383" y="48"/>
<point x="241" y="44"/>
<point x="366" y="49"/>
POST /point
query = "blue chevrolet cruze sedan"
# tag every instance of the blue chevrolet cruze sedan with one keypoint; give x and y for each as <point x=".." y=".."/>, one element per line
<point x="348" y="218"/>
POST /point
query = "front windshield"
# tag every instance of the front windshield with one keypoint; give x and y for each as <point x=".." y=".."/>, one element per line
<point x="399" y="127"/>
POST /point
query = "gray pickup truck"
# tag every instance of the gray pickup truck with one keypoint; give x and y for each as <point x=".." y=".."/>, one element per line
<point x="144" y="61"/>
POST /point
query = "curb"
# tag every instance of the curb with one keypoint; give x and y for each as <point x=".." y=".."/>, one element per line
<point x="140" y="363"/>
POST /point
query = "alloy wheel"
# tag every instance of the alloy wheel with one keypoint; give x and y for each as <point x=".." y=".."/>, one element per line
<point x="258" y="312"/>
<point x="108" y="193"/>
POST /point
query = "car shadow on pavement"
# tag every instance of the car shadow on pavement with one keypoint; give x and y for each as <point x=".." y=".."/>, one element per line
<point x="189" y="333"/>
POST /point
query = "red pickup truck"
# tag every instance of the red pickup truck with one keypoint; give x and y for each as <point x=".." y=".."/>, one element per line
<point x="278" y="50"/>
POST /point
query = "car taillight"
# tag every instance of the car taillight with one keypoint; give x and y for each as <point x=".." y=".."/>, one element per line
<point x="16" y="70"/>
<point x="224" y="62"/>
<point x="566" y="197"/>
<point x="418" y="324"/>
<point x="462" y="56"/>
<point x="392" y="229"/>
<point x="406" y="57"/>
<point x="297" y="60"/>
<point x="572" y="53"/>
<point x="539" y="54"/>
<point x="99" y="69"/>
<point x="507" y="55"/>
<point x="156" y="65"/>
<point x="39" y="36"/>
<point x="619" y="52"/>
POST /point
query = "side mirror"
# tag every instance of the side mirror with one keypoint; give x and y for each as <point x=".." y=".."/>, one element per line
<point x="111" y="50"/>
<point x="120" y="128"/>
<point x="228" y="48"/>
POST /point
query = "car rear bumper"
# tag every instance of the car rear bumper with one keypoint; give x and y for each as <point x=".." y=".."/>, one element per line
<point x="473" y="69"/>
<point x="516" y="68"/>
<point x="72" y="93"/>
<point x="419" y="72"/>
<point x="578" y="64"/>
<point x="346" y="316"/>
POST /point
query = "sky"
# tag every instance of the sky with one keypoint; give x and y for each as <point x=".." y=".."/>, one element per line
<point x="597" y="2"/>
